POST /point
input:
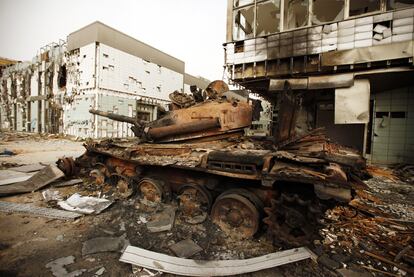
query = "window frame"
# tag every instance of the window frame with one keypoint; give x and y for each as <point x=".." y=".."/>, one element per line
<point x="383" y="9"/>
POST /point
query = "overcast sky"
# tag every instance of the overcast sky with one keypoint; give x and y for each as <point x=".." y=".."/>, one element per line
<point x="190" y="30"/>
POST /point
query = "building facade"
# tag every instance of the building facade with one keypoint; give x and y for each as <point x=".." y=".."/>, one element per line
<point x="97" y="67"/>
<point x="351" y="62"/>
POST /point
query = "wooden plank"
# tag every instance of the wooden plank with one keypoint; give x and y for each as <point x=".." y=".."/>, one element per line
<point x="188" y="267"/>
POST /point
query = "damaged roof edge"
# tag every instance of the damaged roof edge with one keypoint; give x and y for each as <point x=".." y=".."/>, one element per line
<point x="329" y="81"/>
<point x="315" y="82"/>
<point x="368" y="54"/>
<point x="100" y="32"/>
<point x="200" y="82"/>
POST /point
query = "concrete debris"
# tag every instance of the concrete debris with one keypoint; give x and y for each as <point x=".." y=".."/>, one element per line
<point x="9" y="207"/>
<point x="188" y="267"/>
<point x="374" y="231"/>
<point x="85" y="204"/>
<point x="142" y="220"/>
<point x="162" y="221"/>
<point x="104" y="244"/>
<point x="405" y="173"/>
<point x="138" y="271"/>
<point x="122" y="226"/>
<point x="185" y="248"/>
<point x="39" y="180"/>
<point x="58" y="267"/>
<point x="68" y="183"/>
<point x="28" y="168"/>
<point x="51" y="195"/>
<point x="100" y="271"/>
<point x="345" y="272"/>
<point x="9" y="176"/>
<point x="328" y="262"/>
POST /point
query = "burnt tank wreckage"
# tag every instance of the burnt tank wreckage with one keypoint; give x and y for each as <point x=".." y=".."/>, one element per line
<point x="198" y="153"/>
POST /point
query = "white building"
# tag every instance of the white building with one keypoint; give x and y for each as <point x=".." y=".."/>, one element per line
<point x="113" y="72"/>
<point x="99" y="68"/>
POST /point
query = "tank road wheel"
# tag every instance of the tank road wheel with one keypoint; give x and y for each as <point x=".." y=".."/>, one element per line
<point x="195" y="202"/>
<point x="123" y="184"/>
<point x="292" y="220"/>
<point x="151" y="190"/>
<point x="247" y="194"/>
<point x="235" y="215"/>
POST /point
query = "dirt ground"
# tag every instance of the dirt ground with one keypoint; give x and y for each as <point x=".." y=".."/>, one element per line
<point x="28" y="243"/>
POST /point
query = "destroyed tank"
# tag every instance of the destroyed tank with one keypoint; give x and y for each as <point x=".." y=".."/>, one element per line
<point x="198" y="154"/>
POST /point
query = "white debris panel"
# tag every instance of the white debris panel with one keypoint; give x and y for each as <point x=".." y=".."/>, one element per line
<point x="352" y="104"/>
<point x="188" y="267"/>
<point x="85" y="204"/>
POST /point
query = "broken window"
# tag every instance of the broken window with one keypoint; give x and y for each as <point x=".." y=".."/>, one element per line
<point x="62" y="76"/>
<point x="146" y="116"/>
<point x="357" y="7"/>
<point x="399" y="4"/>
<point x="268" y="17"/>
<point x="243" y="23"/>
<point x="296" y="14"/>
<point x="239" y="3"/>
<point x="327" y="10"/>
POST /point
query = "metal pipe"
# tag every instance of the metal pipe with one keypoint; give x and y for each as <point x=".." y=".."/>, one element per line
<point x="114" y="116"/>
<point x="185" y="128"/>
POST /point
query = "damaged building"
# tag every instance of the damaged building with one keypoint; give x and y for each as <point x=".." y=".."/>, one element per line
<point x="97" y="67"/>
<point x="350" y="61"/>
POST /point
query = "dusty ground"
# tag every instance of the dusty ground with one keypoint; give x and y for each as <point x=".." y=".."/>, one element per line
<point x="33" y="148"/>
<point x="28" y="243"/>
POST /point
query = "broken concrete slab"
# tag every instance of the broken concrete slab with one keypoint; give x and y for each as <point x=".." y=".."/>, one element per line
<point x="58" y="267"/>
<point x="10" y="207"/>
<point x="104" y="244"/>
<point x="85" y="204"/>
<point x="162" y="221"/>
<point x="185" y="248"/>
<point x="28" y="168"/>
<point x="10" y="177"/>
<point x="189" y="267"/>
<point x="39" y="180"/>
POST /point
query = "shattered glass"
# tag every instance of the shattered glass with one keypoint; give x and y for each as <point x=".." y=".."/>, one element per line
<point x="399" y="4"/>
<point x="296" y="14"/>
<point x="243" y="23"/>
<point x="268" y="18"/>
<point x="358" y="7"/>
<point x="239" y="3"/>
<point x="327" y="10"/>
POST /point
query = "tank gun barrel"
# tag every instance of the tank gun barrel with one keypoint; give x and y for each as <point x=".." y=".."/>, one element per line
<point x="113" y="116"/>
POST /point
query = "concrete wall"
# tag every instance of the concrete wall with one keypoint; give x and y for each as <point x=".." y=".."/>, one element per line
<point x="120" y="71"/>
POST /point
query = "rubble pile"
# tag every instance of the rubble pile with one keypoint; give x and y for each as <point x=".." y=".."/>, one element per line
<point x="375" y="231"/>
